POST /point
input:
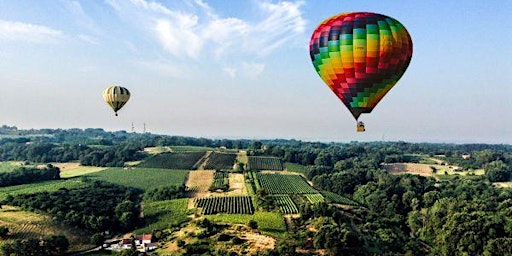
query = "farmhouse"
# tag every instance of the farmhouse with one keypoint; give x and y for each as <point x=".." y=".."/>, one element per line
<point x="466" y="156"/>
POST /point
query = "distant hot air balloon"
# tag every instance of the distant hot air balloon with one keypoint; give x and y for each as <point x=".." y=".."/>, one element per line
<point x="116" y="97"/>
<point x="360" y="56"/>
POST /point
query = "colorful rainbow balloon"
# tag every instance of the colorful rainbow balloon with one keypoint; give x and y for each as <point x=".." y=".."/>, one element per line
<point x="360" y="56"/>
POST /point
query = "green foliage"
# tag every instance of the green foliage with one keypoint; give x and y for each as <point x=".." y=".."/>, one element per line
<point x="160" y="215"/>
<point x="315" y="198"/>
<point x="267" y="221"/>
<point x="285" y="204"/>
<point x="50" y="245"/>
<point x="225" y="204"/>
<point x="220" y="181"/>
<point x="97" y="207"/>
<point x="25" y="175"/>
<point x="265" y="163"/>
<point x="292" y="167"/>
<point x="165" y="193"/>
<point x="174" y="160"/>
<point x="3" y="232"/>
<point x="143" y="178"/>
<point x="45" y="186"/>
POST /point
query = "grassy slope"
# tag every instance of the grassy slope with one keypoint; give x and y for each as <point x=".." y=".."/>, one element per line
<point x="164" y="214"/>
<point x="45" y="186"/>
<point x="271" y="222"/>
<point x="24" y="225"/>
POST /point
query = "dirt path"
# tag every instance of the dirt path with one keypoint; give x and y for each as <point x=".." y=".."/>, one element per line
<point x="202" y="162"/>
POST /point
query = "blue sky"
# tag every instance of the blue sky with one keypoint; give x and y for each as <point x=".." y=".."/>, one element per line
<point x="241" y="69"/>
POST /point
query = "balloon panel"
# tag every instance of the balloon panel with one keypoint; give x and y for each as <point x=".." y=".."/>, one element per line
<point x="116" y="97"/>
<point x="360" y="56"/>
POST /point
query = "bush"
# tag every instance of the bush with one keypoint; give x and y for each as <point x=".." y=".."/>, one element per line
<point x="253" y="224"/>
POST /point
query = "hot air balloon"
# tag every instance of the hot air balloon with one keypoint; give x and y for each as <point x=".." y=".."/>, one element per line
<point x="360" y="56"/>
<point x="116" y="97"/>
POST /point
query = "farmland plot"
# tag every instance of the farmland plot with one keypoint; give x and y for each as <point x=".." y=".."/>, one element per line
<point x="285" y="204"/>
<point x="218" y="161"/>
<point x="265" y="163"/>
<point x="315" y="198"/>
<point x="225" y="204"/>
<point x="177" y="160"/>
<point x="284" y="184"/>
<point x="143" y="178"/>
<point x="199" y="182"/>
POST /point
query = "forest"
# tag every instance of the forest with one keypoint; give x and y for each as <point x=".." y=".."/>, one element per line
<point x="367" y="210"/>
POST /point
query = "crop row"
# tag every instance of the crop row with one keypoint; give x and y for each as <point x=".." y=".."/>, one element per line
<point x="315" y="198"/>
<point x="175" y="160"/>
<point x="339" y="199"/>
<point x="220" y="181"/>
<point x="285" y="204"/>
<point x="265" y="163"/>
<point x="226" y="204"/>
<point x="284" y="184"/>
<point x="219" y="161"/>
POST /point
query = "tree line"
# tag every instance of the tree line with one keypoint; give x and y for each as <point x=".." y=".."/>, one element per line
<point x="26" y="175"/>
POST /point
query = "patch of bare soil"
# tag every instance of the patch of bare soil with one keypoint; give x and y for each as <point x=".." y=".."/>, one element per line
<point x="198" y="183"/>
<point x="236" y="185"/>
<point x="412" y="168"/>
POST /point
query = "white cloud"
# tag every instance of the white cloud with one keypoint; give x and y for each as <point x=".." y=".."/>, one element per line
<point x="252" y="69"/>
<point x="178" y="38"/>
<point x="81" y="18"/>
<point x="19" y="31"/>
<point x="88" y="39"/>
<point x="151" y="6"/>
<point x="230" y="71"/>
<point x="188" y="33"/>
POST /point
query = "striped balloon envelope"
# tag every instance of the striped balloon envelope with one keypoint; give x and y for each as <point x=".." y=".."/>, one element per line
<point x="116" y="97"/>
<point x="360" y="56"/>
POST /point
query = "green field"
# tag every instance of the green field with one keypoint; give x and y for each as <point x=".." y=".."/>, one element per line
<point x="285" y="204"/>
<point x="8" y="166"/>
<point x="315" y="198"/>
<point x="45" y="186"/>
<point x="157" y="150"/>
<point x="160" y="215"/>
<point x="284" y="184"/>
<point x="338" y="199"/>
<point x="272" y="222"/>
<point x="79" y="171"/>
<point x="143" y="178"/>
<point x="298" y="168"/>
<point x="178" y="160"/>
<point x="265" y="163"/>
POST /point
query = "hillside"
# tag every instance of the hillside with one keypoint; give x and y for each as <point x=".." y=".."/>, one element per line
<point x="283" y="198"/>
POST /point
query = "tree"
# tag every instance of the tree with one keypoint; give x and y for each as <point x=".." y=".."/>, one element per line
<point x="3" y="232"/>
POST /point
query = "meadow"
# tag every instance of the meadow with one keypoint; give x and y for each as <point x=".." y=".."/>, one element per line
<point x="143" y="178"/>
<point x="298" y="168"/>
<point x="271" y="222"/>
<point x="45" y="186"/>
